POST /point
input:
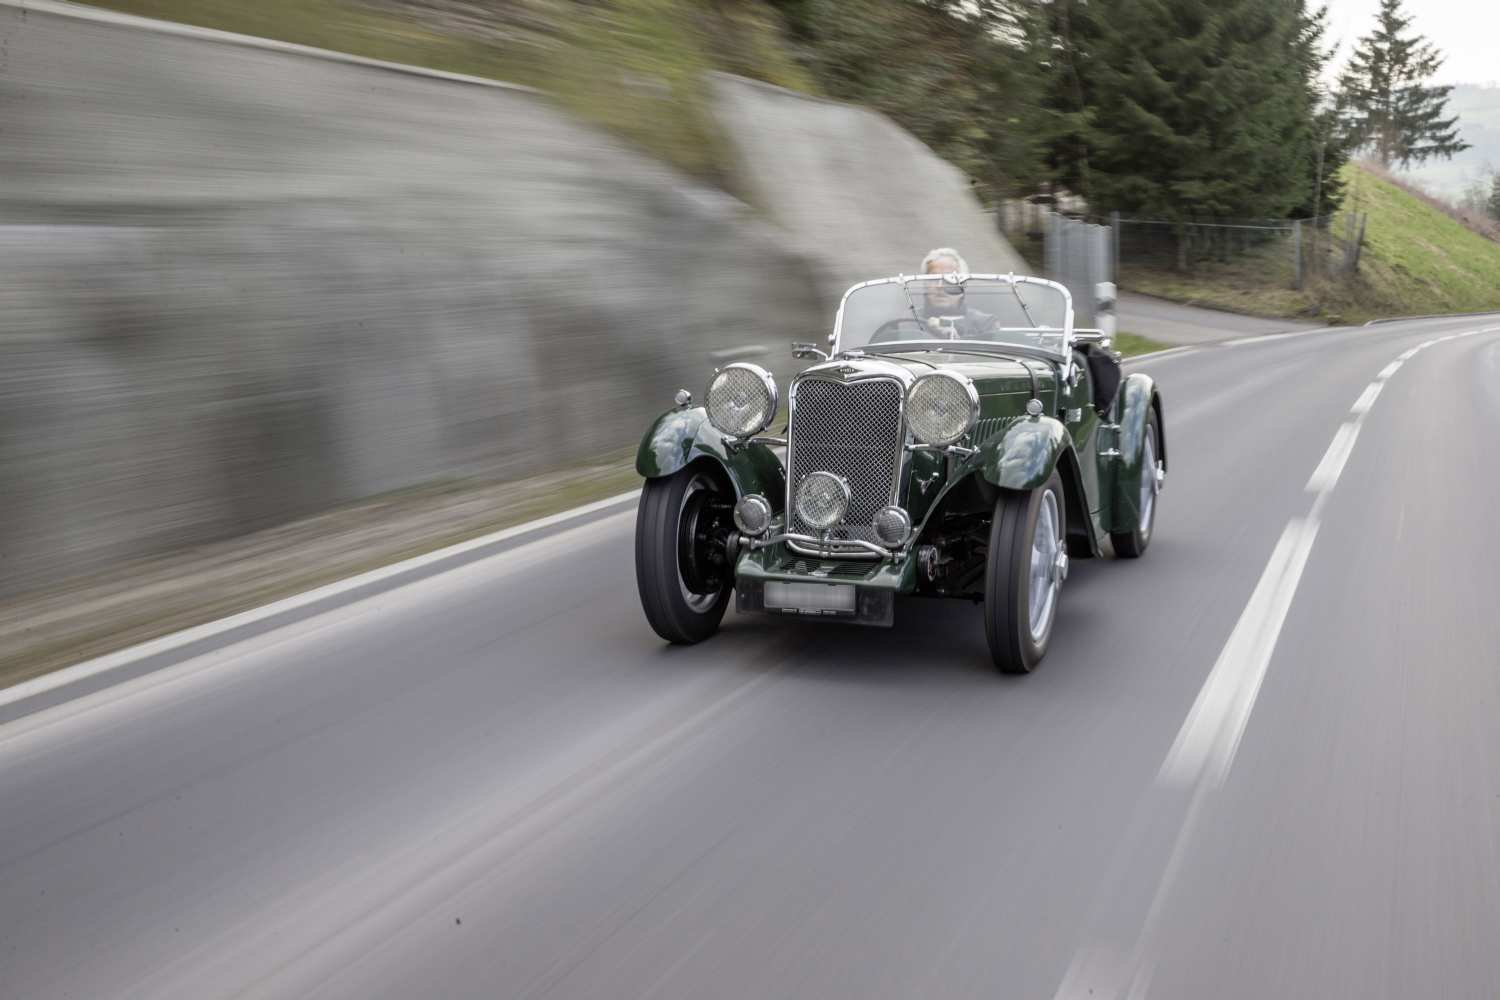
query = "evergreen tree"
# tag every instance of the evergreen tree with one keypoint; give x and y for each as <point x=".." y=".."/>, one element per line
<point x="1386" y="101"/>
<point x="1494" y="204"/>
<point x="1063" y="36"/>
<point x="1202" y="107"/>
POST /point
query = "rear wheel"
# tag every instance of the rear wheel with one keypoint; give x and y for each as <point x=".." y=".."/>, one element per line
<point x="681" y="558"/>
<point x="1132" y="544"/>
<point x="1025" y="568"/>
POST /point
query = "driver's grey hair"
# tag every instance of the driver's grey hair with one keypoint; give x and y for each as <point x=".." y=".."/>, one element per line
<point x="945" y="253"/>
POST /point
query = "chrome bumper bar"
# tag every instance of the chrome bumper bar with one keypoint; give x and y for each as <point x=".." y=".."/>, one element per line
<point x="826" y="549"/>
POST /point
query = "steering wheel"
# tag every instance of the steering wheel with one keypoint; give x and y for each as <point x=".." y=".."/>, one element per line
<point x="890" y="330"/>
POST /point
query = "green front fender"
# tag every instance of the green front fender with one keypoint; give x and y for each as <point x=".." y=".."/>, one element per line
<point x="1137" y="400"/>
<point x="682" y="436"/>
<point x="1024" y="458"/>
<point x="1025" y="455"/>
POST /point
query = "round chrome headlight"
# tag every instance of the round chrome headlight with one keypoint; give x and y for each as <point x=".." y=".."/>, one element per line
<point x="941" y="407"/>
<point x="741" y="399"/>
<point x="892" y="526"/>
<point x="822" y="500"/>
<point x="752" y="515"/>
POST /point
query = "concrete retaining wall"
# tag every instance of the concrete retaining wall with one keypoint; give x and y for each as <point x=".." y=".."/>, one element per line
<point x="239" y="285"/>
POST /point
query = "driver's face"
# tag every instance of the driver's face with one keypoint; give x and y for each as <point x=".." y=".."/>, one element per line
<point x="940" y="300"/>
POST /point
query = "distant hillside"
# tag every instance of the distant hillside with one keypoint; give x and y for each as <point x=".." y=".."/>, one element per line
<point x="1417" y="260"/>
<point x="1478" y="110"/>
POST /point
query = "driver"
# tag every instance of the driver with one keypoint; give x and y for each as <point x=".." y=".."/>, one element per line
<point x="943" y="304"/>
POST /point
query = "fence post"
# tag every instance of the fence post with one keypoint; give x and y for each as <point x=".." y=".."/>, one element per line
<point x="1114" y="232"/>
<point x="1297" y="250"/>
<point x="1359" y="241"/>
<point x="1054" y="249"/>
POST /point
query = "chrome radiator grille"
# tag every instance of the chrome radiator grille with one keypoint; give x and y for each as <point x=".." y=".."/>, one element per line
<point x="853" y="429"/>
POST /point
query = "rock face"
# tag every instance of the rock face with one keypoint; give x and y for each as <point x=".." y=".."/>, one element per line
<point x="857" y="195"/>
<point x="241" y="285"/>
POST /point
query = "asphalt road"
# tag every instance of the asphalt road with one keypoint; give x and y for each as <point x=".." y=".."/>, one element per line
<point x="1175" y="323"/>
<point x="1262" y="761"/>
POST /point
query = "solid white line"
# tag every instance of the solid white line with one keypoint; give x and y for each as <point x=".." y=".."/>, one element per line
<point x="1326" y="475"/>
<point x="1210" y="736"/>
<point x="1153" y="355"/>
<point x="61" y="8"/>
<point x="167" y="643"/>
<point x="1267" y="337"/>
<point x="1367" y="398"/>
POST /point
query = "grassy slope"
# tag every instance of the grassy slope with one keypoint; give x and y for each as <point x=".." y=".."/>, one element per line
<point x="1131" y="344"/>
<point x="1416" y="261"/>
<point x="632" y="66"/>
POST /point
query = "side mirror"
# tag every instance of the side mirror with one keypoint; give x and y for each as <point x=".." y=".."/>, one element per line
<point x="803" y="350"/>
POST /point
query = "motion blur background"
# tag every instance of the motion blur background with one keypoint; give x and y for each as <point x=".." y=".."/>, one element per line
<point x="240" y="286"/>
<point x="243" y="284"/>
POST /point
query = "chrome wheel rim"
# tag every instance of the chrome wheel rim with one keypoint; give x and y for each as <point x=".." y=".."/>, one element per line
<point x="1148" y="483"/>
<point x="1046" y="545"/>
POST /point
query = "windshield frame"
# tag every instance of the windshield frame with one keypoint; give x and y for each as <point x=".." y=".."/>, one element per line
<point x="1065" y="353"/>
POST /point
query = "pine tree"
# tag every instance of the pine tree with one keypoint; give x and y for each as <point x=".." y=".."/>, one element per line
<point x="1386" y="101"/>
<point x="1200" y="108"/>
<point x="1494" y="206"/>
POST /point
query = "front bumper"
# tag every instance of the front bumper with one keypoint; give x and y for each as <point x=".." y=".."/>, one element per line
<point x="875" y="584"/>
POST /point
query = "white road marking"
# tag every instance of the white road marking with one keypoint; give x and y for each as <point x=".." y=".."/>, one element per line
<point x="1326" y="475"/>
<point x="1209" y="737"/>
<point x="1267" y="337"/>
<point x="1155" y="355"/>
<point x="1367" y="398"/>
<point x="126" y="657"/>
<point x="1120" y="962"/>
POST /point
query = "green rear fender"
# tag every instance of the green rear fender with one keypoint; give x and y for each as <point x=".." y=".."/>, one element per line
<point x="1138" y="399"/>
<point x="683" y="436"/>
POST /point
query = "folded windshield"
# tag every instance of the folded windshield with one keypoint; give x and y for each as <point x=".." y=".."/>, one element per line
<point x="939" y="307"/>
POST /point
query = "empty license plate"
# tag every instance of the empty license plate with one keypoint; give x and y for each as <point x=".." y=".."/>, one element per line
<point x="810" y="598"/>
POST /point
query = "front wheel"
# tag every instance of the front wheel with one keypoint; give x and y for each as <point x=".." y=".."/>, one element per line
<point x="681" y="559"/>
<point x="1024" y="571"/>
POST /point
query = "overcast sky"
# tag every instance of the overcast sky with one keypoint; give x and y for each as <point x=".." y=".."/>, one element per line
<point x="1467" y="31"/>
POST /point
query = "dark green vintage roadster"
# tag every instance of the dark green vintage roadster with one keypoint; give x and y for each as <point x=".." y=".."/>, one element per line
<point x="961" y="440"/>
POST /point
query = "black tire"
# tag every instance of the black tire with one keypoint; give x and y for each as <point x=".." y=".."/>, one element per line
<point x="1132" y="544"/>
<point x="684" y="591"/>
<point x="1008" y="581"/>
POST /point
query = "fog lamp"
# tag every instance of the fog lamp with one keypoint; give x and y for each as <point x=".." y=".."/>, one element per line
<point x="752" y="515"/>
<point x="822" y="500"/>
<point x="892" y="526"/>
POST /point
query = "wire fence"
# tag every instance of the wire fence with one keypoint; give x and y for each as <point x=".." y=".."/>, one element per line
<point x="1283" y="252"/>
